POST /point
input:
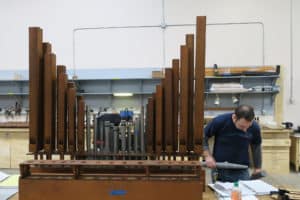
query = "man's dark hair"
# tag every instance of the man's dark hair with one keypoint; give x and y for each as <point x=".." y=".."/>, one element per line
<point x="244" y="112"/>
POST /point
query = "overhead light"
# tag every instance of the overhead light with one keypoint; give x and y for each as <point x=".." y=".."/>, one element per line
<point x="235" y="100"/>
<point x="217" y="100"/>
<point x="123" y="94"/>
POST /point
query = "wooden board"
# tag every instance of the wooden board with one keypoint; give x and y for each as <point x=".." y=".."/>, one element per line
<point x="31" y="189"/>
<point x="71" y="113"/>
<point x="61" y="108"/>
<point x="80" y="123"/>
<point x="159" y="119"/>
<point x="35" y="89"/>
<point x="168" y="109"/>
<point x="175" y="67"/>
<point x="189" y="41"/>
<point x="199" y="82"/>
<point x="184" y="99"/>
<point x="276" y="160"/>
<point x="49" y="105"/>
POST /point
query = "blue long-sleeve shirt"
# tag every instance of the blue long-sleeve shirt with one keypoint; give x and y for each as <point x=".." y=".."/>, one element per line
<point x="232" y="144"/>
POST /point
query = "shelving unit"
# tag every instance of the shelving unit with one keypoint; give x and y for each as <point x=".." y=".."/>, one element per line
<point x="98" y="86"/>
<point x="262" y="100"/>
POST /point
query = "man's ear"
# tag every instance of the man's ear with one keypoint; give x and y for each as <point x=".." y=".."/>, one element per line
<point x="234" y="118"/>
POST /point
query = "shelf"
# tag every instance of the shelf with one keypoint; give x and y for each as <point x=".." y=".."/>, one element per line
<point x="14" y="94"/>
<point x="96" y="93"/>
<point x="250" y="92"/>
<point x="240" y="77"/>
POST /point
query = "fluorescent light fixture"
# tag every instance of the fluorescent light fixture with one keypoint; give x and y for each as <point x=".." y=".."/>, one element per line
<point x="122" y="94"/>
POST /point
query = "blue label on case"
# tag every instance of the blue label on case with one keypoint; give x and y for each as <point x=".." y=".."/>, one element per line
<point x="118" y="192"/>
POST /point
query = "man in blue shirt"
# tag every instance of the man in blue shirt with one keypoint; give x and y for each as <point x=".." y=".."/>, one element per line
<point x="234" y="133"/>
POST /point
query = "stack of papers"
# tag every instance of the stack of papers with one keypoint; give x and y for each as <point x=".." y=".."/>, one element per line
<point x="259" y="187"/>
<point x="227" y="88"/>
<point x="8" y="185"/>
<point x="3" y="176"/>
<point x="248" y="189"/>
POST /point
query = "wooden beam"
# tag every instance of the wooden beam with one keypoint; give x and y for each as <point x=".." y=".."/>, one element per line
<point x="80" y="123"/>
<point x="71" y="104"/>
<point x="190" y="45"/>
<point x="35" y="89"/>
<point x="61" y="108"/>
<point x="199" y="82"/>
<point x="175" y="67"/>
<point x="168" y="109"/>
<point x="184" y="98"/>
<point x="49" y="105"/>
<point x="159" y="118"/>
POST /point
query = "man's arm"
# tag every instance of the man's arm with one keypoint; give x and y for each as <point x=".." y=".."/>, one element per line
<point x="257" y="158"/>
<point x="209" y="160"/>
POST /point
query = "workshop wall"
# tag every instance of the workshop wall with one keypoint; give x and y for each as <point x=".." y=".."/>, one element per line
<point x="238" y="44"/>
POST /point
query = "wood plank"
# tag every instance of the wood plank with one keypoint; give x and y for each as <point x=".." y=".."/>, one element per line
<point x="35" y="88"/>
<point x="175" y="67"/>
<point x="199" y="82"/>
<point x="49" y="129"/>
<point x="71" y="104"/>
<point x="154" y="122"/>
<point x="61" y="108"/>
<point x="184" y="99"/>
<point x="159" y="118"/>
<point x="168" y="109"/>
<point x="47" y="48"/>
<point x="80" y="123"/>
<point x="189" y="40"/>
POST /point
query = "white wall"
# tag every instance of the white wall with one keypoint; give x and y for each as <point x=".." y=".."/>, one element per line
<point x="234" y="45"/>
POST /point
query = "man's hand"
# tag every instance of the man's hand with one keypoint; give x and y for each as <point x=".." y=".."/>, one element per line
<point x="257" y="174"/>
<point x="210" y="161"/>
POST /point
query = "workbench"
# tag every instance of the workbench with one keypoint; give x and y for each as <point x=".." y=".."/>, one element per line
<point x="295" y="151"/>
<point x="13" y="146"/>
<point x="276" y="150"/>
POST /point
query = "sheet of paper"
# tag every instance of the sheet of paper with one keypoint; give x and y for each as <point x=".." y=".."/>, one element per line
<point x="11" y="181"/>
<point x="224" y="189"/>
<point x="259" y="187"/>
<point x="7" y="192"/>
<point x="3" y="176"/>
<point x="251" y="197"/>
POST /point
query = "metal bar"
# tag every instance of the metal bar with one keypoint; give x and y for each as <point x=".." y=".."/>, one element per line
<point x="88" y="128"/>
<point x="168" y="109"/>
<point x="122" y="128"/>
<point x="190" y="45"/>
<point x="116" y="139"/>
<point x="106" y="136"/>
<point x="49" y="129"/>
<point x="142" y="130"/>
<point x="159" y="119"/>
<point x="96" y="132"/>
<point x="35" y="88"/>
<point x="136" y="135"/>
<point x="199" y="83"/>
<point x="175" y="67"/>
<point x="130" y="135"/>
<point x="184" y="98"/>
